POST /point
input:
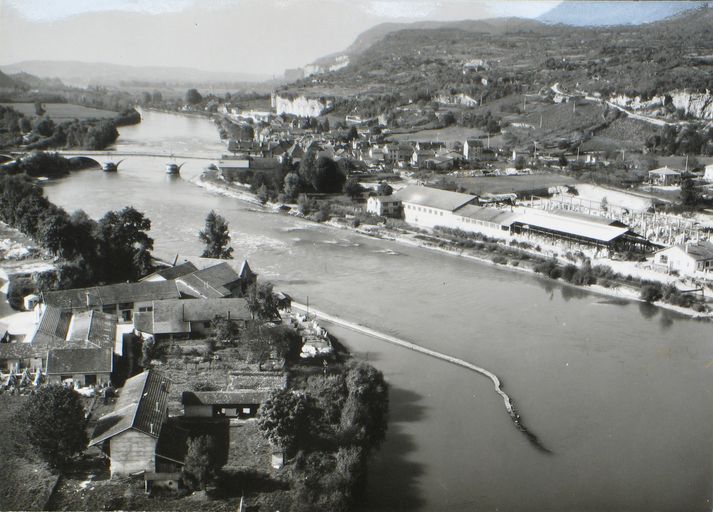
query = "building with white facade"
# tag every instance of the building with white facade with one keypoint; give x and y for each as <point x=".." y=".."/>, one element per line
<point x="689" y="259"/>
<point x="384" y="206"/>
<point x="301" y="105"/>
<point x="430" y="207"/>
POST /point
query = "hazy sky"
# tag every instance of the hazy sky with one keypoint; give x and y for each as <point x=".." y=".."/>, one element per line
<point x="252" y="36"/>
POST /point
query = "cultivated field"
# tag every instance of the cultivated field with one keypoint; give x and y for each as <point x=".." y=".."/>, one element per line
<point x="60" y="112"/>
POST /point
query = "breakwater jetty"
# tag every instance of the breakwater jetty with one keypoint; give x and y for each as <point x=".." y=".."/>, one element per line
<point x="497" y="383"/>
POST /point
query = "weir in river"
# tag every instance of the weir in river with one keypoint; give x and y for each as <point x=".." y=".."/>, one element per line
<point x="497" y="384"/>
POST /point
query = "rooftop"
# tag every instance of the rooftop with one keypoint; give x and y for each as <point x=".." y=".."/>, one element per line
<point x="142" y="405"/>
<point x="434" y="197"/>
<point x="174" y="272"/>
<point x="572" y="226"/>
<point x="79" y="360"/>
<point x="494" y="215"/>
<point x="662" y="171"/>
<point x="237" y="397"/>
<point x="112" y="294"/>
<point x="172" y="316"/>
<point x="698" y="251"/>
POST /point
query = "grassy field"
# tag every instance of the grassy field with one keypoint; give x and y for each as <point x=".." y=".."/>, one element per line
<point x="513" y="184"/>
<point x="448" y="135"/>
<point x="60" y="112"/>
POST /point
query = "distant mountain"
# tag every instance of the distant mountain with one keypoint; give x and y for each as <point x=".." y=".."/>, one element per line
<point x="8" y="82"/>
<point x="376" y="34"/>
<point x="490" y="26"/>
<point x="102" y="73"/>
<point x="36" y="82"/>
<point x="596" y="14"/>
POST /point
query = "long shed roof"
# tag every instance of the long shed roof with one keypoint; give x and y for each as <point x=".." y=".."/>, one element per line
<point x="570" y="225"/>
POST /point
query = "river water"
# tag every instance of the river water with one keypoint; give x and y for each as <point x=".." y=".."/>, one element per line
<point x="619" y="392"/>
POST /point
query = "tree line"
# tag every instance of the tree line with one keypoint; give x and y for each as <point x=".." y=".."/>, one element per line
<point x="115" y="248"/>
<point x="41" y="132"/>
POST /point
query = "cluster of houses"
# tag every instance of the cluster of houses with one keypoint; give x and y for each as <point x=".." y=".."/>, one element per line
<point x="88" y="338"/>
<point x="370" y="153"/>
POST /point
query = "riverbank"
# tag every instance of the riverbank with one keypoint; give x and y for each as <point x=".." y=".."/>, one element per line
<point x="406" y="237"/>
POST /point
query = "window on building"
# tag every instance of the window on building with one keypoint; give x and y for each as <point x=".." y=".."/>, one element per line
<point x="663" y="259"/>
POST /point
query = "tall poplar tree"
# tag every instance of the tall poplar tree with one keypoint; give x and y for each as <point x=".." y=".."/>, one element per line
<point x="216" y="237"/>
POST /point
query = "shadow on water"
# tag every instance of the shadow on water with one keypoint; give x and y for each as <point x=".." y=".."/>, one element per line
<point x="647" y="310"/>
<point x="570" y="292"/>
<point x="393" y="480"/>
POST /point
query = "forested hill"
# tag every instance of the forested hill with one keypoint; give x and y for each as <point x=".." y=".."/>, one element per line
<point x="418" y="62"/>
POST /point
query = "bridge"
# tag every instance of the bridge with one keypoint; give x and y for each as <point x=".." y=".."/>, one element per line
<point x="89" y="158"/>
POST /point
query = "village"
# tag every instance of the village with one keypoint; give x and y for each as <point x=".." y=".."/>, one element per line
<point x="192" y="350"/>
<point x="514" y="196"/>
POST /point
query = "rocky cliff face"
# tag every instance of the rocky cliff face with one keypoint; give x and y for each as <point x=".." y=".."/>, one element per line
<point x="698" y="105"/>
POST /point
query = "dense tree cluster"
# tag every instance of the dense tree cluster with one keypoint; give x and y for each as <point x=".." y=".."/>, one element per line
<point x="116" y="248"/>
<point x="53" y="419"/>
<point x="333" y="424"/>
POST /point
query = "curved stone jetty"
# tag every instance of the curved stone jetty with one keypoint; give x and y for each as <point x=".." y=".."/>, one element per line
<point x="497" y="384"/>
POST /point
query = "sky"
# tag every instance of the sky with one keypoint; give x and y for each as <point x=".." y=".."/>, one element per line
<point x="250" y="36"/>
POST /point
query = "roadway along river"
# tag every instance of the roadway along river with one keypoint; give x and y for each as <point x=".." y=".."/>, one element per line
<point x="619" y="392"/>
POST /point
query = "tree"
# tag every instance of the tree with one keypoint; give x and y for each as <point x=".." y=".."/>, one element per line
<point x="262" y="302"/>
<point x="124" y="245"/>
<point x="216" y="237"/>
<point x="353" y="189"/>
<point x="53" y="231"/>
<point x="193" y="97"/>
<point x="327" y="178"/>
<point x="39" y="109"/>
<point x="223" y="329"/>
<point x="520" y="162"/>
<point x="292" y="186"/>
<point x="54" y="421"/>
<point x="365" y="412"/>
<point x="689" y="194"/>
<point x="604" y="204"/>
<point x="44" y="126"/>
<point x="562" y="161"/>
<point x="199" y="468"/>
<point x="384" y="189"/>
<point x="283" y="418"/>
<point x="308" y="165"/>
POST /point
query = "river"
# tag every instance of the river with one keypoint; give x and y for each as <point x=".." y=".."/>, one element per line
<point x="619" y="392"/>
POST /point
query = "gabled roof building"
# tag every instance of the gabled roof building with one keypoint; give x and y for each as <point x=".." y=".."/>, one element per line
<point x="129" y="434"/>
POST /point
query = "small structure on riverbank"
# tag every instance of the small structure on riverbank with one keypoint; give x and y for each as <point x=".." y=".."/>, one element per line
<point x="691" y="259"/>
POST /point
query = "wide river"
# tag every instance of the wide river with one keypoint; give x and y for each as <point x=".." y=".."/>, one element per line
<point x="619" y="392"/>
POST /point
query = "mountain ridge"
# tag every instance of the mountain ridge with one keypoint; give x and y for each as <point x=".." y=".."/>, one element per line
<point x="105" y="73"/>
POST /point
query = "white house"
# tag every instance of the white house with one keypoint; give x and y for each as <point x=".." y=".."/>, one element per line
<point x="384" y="206"/>
<point x="429" y="207"/>
<point x="472" y="148"/>
<point x="687" y="259"/>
